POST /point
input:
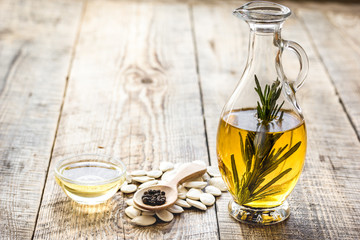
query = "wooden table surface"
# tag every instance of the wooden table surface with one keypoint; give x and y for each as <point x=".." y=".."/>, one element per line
<point x="145" y="81"/>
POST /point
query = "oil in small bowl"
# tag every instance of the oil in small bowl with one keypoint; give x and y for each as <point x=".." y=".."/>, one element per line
<point x="90" y="179"/>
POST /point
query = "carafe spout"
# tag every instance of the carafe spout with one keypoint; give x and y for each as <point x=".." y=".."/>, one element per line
<point x="263" y="16"/>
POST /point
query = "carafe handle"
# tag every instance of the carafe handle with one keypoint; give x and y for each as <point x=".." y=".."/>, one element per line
<point x="303" y="60"/>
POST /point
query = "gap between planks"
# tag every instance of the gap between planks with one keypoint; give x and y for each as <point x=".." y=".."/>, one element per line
<point x="73" y="51"/>
<point x="193" y="34"/>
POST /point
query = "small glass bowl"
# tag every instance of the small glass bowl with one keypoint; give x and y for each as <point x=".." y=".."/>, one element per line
<point x="90" y="178"/>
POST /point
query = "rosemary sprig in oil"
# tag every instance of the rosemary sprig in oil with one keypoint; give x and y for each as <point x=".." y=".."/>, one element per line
<point x="267" y="108"/>
<point x="260" y="156"/>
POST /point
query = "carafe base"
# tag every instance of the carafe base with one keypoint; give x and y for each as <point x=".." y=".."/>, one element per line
<point x="259" y="216"/>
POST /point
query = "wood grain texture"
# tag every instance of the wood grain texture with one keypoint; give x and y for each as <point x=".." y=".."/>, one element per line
<point x="36" y="40"/>
<point x="133" y="93"/>
<point x="340" y="52"/>
<point x="146" y="77"/>
<point x="325" y="203"/>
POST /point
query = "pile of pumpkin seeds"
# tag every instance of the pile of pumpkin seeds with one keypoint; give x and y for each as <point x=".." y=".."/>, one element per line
<point x="199" y="193"/>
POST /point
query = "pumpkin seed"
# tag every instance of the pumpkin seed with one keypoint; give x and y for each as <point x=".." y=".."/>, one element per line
<point x="128" y="188"/>
<point x="144" y="220"/>
<point x="194" y="194"/>
<point x="148" y="184"/>
<point x="142" y="179"/>
<point x="196" y="204"/>
<point x="182" y="195"/>
<point x="167" y="176"/>
<point x="147" y="213"/>
<point x="132" y="212"/>
<point x="166" y="166"/>
<point x="138" y="173"/>
<point x="175" y="209"/>
<point x="165" y="215"/>
<point x="219" y="183"/>
<point x="182" y="203"/>
<point x="207" y="199"/>
<point x="130" y="202"/>
<point x="154" y="173"/>
<point x="195" y="184"/>
<point x="213" y="190"/>
<point x="213" y="171"/>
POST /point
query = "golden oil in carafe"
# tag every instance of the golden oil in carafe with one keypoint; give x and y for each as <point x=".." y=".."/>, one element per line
<point x="260" y="167"/>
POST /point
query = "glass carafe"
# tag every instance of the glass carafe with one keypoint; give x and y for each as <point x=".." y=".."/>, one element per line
<point x="261" y="139"/>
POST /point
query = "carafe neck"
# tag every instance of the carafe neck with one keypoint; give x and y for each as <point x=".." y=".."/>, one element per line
<point x="271" y="27"/>
<point x="264" y="44"/>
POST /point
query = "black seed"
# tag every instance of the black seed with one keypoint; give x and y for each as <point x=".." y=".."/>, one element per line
<point x="154" y="197"/>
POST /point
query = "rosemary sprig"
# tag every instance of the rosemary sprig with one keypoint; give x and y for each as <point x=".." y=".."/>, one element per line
<point x="267" y="108"/>
<point x="258" y="152"/>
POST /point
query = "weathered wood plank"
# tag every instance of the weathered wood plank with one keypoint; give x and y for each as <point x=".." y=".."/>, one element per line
<point x="221" y="59"/>
<point x="340" y="52"/>
<point x="325" y="204"/>
<point x="133" y="93"/>
<point x="36" y="39"/>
